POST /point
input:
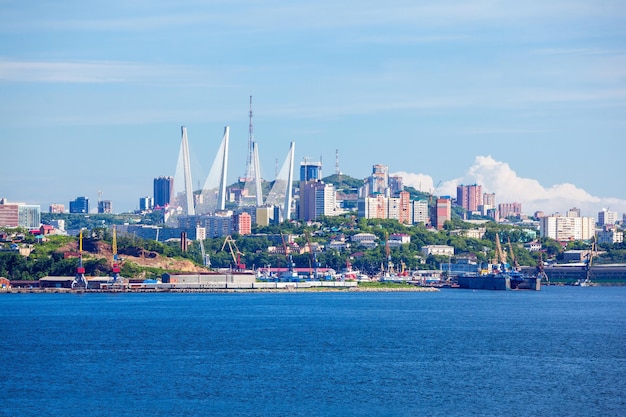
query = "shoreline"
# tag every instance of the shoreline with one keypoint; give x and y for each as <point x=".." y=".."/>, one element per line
<point x="214" y="290"/>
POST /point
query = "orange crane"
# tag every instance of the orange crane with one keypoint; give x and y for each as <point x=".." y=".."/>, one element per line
<point x="513" y="259"/>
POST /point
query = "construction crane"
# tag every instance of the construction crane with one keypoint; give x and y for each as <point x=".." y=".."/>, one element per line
<point x="234" y="252"/>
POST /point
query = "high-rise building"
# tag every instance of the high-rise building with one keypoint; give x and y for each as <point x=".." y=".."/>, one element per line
<point x="469" y="197"/>
<point x="19" y="215"/>
<point x="573" y="212"/>
<point x="310" y="171"/>
<point x="317" y="199"/>
<point x="607" y="217"/>
<point x="509" y="209"/>
<point x="29" y="216"/>
<point x="443" y="211"/>
<point x="610" y="235"/>
<point x="489" y="203"/>
<point x="420" y="212"/>
<point x="376" y="207"/>
<point x="57" y="208"/>
<point x="79" y="205"/>
<point x="396" y="185"/>
<point x="564" y="228"/>
<point x="145" y="203"/>
<point x="243" y="223"/>
<point x="105" y="207"/>
<point x="379" y="180"/>
<point x="9" y="215"/>
<point x="399" y="208"/>
<point x="163" y="191"/>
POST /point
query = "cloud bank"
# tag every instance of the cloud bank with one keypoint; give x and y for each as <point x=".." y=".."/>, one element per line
<point x="499" y="178"/>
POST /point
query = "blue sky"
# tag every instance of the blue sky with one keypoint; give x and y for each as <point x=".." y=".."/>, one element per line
<point x="526" y="98"/>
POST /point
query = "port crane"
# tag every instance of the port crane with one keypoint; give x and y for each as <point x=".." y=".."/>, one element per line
<point x="115" y="273"/>
<point x="313" y="258"/>
<point x="234" y="252"/>
<point x="541" y="273"/>
<point x="206" y="260"/>
<point x="79" y="282"/>
<point x="500" y="255"/>
<point x="291" y="265"/>
<point x="513" y="258"/>
<point x="587" y="280"/>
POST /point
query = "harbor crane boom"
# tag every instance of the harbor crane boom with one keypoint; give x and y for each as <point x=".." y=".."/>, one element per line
<point x="234" y="252"/>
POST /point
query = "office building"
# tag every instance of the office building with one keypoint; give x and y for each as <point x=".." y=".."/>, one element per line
<point x="310" y="171"/>
<point x="163" y="191"/>
<point x="146" y="203"/>
<point x="19" y="215"/>
<point x="29" y="216"/>
<point x="317" y="199"/>
<point x="79" y="205"/>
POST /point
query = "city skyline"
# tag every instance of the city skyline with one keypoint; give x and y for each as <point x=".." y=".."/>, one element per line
<point x="525" y="99"/>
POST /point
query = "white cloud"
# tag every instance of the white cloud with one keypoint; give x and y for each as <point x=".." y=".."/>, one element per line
<point x="499" y="178"/>
<point x="100" y="72"/>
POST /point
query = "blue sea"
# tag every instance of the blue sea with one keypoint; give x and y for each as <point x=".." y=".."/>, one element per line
<point x="557" y="352"/>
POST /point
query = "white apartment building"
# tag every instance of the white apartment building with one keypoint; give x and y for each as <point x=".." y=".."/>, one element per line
<point x="420" y="212"/>
<point x="562" y="228"/>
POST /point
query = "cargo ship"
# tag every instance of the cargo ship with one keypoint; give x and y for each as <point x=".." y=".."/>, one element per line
<point x="501" y="276"/>
<point x="509" y="280"/>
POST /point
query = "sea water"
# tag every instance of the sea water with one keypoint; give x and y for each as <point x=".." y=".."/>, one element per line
<point x="557" y="352"/>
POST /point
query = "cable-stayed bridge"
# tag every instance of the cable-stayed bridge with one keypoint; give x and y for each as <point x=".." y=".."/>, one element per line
<point x="211" y="198"/>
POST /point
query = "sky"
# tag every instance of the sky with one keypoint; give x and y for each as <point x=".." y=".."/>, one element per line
<point x="527" y="99"/>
